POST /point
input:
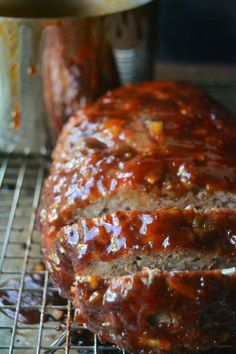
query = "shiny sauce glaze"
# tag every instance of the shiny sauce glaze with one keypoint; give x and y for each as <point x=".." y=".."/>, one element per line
<point x="152" y="310"/>
<point x="31" y="298"/>
<point x="166" y="137"/>
<point x="132" y="232"/>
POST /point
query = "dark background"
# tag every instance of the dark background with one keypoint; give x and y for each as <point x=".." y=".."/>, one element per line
<point x="197" y="31"/>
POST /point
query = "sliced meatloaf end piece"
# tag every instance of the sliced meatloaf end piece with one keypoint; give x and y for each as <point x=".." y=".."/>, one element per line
<point x="130" y="241"/>
<point x="151" y="310"/>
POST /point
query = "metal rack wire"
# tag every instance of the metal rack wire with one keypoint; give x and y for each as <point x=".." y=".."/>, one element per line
<point x="21" y="181"/>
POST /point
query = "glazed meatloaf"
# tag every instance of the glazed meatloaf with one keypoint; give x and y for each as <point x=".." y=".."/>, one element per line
<point x="138" y="218"/>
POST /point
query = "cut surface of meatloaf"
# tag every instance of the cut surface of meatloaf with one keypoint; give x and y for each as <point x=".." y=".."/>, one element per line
<point x="130" y="241"/>
<point x="142" y="186"/>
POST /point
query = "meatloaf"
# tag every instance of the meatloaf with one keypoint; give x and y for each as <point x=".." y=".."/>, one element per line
<point x="138" y="218"/>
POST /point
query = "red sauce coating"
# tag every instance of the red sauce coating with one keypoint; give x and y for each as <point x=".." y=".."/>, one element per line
<point x="158" y="139"/>
<point x="133" y="233"/>
<point x="16" y="117"/>
<point x="127" y="232"/>
<point x="151" y="310"/>
<point x="161" y="136"/>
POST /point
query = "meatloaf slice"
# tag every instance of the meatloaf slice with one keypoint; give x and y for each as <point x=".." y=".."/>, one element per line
<point x="138" y="218"/>
<point x="129" y="241"/>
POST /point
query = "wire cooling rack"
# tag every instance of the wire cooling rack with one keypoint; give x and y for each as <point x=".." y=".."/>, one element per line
<point x="21" y="181"/>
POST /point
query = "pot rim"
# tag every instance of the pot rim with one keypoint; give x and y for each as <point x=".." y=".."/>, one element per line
<point x="79" y="12"/>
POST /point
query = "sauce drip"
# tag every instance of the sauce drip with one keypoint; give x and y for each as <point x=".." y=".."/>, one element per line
<point x="32" y="70"/>
<point x="10" y="35"/>
<point x="14" y="36"/>
<point x="16" y="117"/>
<point x="30" y="298"/>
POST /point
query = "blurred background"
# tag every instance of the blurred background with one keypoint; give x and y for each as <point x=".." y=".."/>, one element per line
<point x="197" y="42"/>
<point x="197" y="31"/>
